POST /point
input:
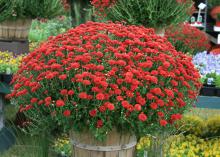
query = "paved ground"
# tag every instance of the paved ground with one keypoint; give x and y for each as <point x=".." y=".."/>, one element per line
<point x="208" y="102"/>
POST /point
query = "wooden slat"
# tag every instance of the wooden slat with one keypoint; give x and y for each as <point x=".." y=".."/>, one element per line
<point x="113" y="139"/>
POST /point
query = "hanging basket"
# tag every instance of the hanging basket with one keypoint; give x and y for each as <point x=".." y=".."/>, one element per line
<point x="116" y="145"/>
<point x="15" y="29"/>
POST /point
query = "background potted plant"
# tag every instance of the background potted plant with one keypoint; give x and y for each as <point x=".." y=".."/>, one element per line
<point x="151" y="13"/>
<point x="104" y="82"/>
<point x="217" y="83"/>
<point x="215" y="13"/>
<point x="188" y="39"/>
<point x="9" y="65"/>
<point x="208" y="88"/>
<point x="16" y="16"/>
<point x="81" y="11"/>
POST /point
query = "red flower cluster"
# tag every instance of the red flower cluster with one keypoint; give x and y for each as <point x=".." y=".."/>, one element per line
<point x="187" y="38"/>
<point x="101" y="74"/>
<point x="102" y="3"/>
<point x="66" y="4"/>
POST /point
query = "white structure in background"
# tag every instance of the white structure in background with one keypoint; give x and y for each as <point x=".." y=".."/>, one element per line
<point x="198" y="22"/>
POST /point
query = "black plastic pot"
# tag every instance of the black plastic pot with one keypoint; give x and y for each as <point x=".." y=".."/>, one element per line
<point x="7" y="78"/>
<point x="60" y="155"/>
<point x="209" y="91"/>
<point x="1" y="77"/>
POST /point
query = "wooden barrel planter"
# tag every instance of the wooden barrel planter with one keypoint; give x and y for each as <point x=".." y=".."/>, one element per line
<point x="116" y="145"/>
<point x="15" y="29"/>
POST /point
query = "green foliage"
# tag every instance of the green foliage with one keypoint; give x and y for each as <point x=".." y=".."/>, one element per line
<point x="14" y="9"/>
<point x="217" y="80"/>
<point x="149" y="13"/>
<point x="211" y="75"/>
<point x="80" y="11"/>
<point x="214" y="3"/>
<point x="43" y="8"/>
<point x="192" y="125"/>
<point x="40" y="31"/>
<point x="6" y="9"/>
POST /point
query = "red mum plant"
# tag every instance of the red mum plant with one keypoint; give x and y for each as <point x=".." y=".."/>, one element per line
<point x="104" y="75"/>
<point x="188" y="39"/>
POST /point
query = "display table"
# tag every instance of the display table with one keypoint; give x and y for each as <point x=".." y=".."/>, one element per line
<point x="17" y="47"/>
<point x="210" y="102"/>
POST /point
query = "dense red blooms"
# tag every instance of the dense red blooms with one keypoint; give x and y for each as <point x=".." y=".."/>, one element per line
<point x="191" y="38"/>
<point x="107" y="74"/>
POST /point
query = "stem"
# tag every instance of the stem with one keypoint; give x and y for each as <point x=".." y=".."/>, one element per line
<point x="79" y="11"/>
<point x="45" y="144"/>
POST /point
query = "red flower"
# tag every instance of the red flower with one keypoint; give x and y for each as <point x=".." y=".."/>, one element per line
<point x="70" y="92"/>
<point x="93" y="113"/>
<point x="142" y="117"/>
<point x="100" y="96"/>
<point x="83" y="95"/>
<point x="60" y="103"/>
<point x="33" y="100"/>
<point x="137" y="107"/>
<point x="176" y="117"/>
<point x="63" y="92"/>
<point x="63" y="77"/>
<point x="47" y="99"/>
<point x="154" y="106"/>
<point x="67" y="113"/>
<point x="99" y="124"/>
<point x="110" y="106"/>
<point x="102" y="108"/>
<point x="160" y="114"/>
<point x="163" y="122"/>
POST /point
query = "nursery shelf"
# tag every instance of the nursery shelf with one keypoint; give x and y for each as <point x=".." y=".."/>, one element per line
<point x="214" y="38"/>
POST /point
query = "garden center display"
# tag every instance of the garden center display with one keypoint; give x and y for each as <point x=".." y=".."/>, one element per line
<point x="187" y="39"/>
<point x="157" y="14"/>
<point x="103" y="80"/>
<point x="215" y="13"/>
<point x="16" y="16"/>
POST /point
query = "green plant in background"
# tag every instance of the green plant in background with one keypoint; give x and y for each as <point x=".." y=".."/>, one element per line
<point x="217" y="80"/>
<point x="40" y="31"/>
<point x="213" y="127"/>
<point x="62" y="146"/>
<point x="149" y="13"/>
<point x="18" y="9"/>
<point x="187" y="39"/>
<point x="212" y="76"/>
<point x="9" y="63"/>
<point x="214" y="3"/>
<point x="203" y="79"/>
<point x="191" y="125"/>
<point x="81" y="11"/>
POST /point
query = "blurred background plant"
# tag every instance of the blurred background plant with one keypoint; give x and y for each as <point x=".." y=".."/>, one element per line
<point x="187" y="39"/>
<point x="81" y="11"/>
<point x="9" y="62"/>
<point x="207" y="63"/>
<point x="151" y="13"/>
<point x="63" y="146"/>
<point x="18" y="9"/>
<point x="41" y="30"/>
